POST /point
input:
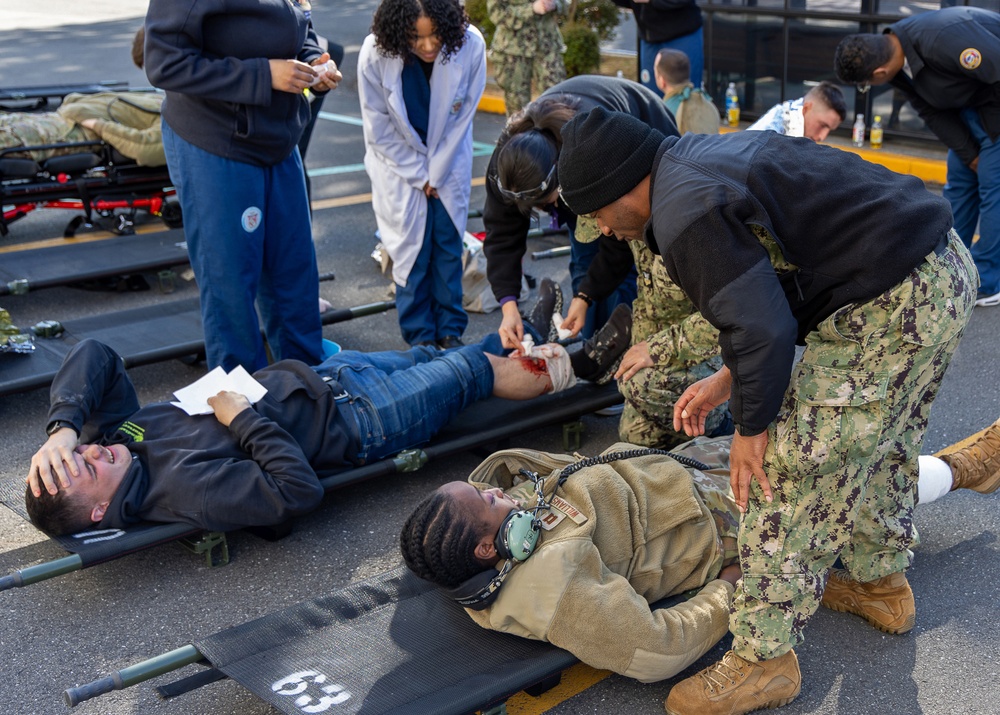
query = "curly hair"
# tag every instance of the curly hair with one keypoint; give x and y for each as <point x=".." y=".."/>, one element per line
<point x="858" y="56"/>
<point x="530" y="144"/>
<point x="395" y="21"/>
<point x="438" y="544"/>
<point x="56" y="514"/>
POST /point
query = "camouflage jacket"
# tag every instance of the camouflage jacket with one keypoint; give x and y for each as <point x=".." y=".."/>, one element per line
<point x="522" y="32"/>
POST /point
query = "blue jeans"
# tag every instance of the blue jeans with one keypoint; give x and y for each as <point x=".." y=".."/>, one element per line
<point x="249" y="238"/>
<point x="429" y="306"/>
<point x="691" y="45"/>
<point x="401" y="399"/>
<point x="975" y="198"/>
<point x="580" y="257"/>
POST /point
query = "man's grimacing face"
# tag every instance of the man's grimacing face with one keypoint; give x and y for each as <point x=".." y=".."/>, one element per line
<point x="101" y="471"/>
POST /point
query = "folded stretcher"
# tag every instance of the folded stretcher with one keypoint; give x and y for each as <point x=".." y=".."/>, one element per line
<point x="486" y="423"/>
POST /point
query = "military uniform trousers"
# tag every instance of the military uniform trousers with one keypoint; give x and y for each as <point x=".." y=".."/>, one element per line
<point x="842" y="452"/>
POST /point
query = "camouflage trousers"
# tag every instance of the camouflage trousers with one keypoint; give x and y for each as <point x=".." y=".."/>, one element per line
<point x="514" y="73"/>
<point x="842" y="452"/>
<point x="648" y="415"/>
<point x="30" y="129"/>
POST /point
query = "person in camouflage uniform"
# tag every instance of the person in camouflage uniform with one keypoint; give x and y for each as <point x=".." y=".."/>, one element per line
<point x="128" y="121"/>
<point x="781" y="242"/>
<point x="527" y="45"/>
<point x="673" y="346"/>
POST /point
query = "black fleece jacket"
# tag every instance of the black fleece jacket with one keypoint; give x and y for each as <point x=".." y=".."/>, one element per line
<point x="261" y="470"/>
<point x="852" y="228"/>
<point x="211" y="58"/>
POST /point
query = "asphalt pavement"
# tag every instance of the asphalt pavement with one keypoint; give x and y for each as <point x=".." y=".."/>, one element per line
<point x="78" y="627"/>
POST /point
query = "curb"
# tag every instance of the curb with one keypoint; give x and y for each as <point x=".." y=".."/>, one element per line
<point x="933" y="171"/>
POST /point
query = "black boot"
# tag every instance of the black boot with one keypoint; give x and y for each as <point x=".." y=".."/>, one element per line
<point x="550" y="300"/>
<point x="598" y="357"/>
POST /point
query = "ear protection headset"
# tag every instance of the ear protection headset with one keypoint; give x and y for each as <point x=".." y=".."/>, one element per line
<point x="518" y="534"/>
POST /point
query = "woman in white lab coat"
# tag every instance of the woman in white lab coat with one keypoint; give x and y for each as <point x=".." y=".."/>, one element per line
<point x="421" y="74"/>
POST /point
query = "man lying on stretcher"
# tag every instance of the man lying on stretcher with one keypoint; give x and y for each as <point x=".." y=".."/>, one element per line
<point x="617" y="534"/>
<point x="109" y="462"/>
<point x="128" y="121"/>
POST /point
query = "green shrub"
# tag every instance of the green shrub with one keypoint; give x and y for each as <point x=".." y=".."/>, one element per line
<point x="583" y="49"/>
<point x="601" y="16"/>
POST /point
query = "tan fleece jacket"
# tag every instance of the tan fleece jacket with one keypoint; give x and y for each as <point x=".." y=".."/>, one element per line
<point x="128" y="121"/>
<point x="588" y="586"/>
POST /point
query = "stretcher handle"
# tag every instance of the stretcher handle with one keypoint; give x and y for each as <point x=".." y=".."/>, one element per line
<point x="127" y="677"/>
<point x="41" y="572"/>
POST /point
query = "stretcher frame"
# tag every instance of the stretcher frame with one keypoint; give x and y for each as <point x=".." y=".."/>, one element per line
<point x="95" y="184"/>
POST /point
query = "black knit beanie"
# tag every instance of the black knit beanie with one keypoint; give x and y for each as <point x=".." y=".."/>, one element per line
<point x="604" y="156"/>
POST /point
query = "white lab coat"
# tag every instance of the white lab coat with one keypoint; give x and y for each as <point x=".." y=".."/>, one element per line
<point x="399" y="164"/>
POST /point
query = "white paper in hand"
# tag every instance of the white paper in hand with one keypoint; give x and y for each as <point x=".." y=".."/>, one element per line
<point x="193" y="399"/>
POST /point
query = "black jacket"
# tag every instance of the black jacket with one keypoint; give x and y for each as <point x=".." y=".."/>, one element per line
<point x="852" y="228"/>
<point x="507" y="228"/>
<point x="664" y="20"/>
<point x="954" y="57"/>
<point x="211" y="57"/>
<point x="260" y="470"/>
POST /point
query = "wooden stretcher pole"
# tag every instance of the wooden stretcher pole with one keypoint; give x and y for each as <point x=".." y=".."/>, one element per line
<point x="127" y="677"/>
<point x="41" y="572"/>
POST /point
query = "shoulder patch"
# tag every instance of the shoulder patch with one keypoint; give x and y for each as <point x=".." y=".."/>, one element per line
<point x="970" y="58"/>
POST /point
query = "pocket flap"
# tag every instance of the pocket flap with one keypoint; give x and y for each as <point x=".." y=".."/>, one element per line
<point x="833" y="387"/>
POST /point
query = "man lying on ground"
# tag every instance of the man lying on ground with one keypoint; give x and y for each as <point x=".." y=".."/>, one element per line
<point x="109" y="462"/>
<point x="618" y="536"/>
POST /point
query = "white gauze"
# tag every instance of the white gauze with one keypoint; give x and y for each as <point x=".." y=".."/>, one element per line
<point x="934" y="479"/>
<point x="556" y="360"/>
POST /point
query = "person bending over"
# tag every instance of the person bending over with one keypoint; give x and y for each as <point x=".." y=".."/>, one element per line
<point x="813" y="116"/>
<point x="109" y="463"/>
<point x="618" y="537"/>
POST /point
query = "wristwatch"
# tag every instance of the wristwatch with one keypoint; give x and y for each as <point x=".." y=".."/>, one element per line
<point x="57" y="425"/>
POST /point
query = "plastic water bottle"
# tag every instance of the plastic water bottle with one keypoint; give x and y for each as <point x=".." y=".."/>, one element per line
<point x="732" y="106"/>
<point x="876" y="134"/>
<point x="858" y="135"/>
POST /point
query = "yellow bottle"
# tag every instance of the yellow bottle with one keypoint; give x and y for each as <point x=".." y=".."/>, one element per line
<point x="875" y="136"/>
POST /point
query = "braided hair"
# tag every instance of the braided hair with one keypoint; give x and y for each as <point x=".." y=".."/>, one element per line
<point x="438" y="543"/>
<point x="395" y="25"/>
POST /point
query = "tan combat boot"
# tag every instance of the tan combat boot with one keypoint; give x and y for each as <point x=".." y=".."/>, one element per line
<point x="977" y="466"/>
<point x="734" y="686"/>
<point x="886" y="603"/>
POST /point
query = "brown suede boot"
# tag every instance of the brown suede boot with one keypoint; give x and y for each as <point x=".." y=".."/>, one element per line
<point x="886" y="603"/>
<point x="734" y="686"/>
<point x="977" y="466"/>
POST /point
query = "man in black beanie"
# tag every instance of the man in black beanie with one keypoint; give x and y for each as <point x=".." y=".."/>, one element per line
<point x="866" y="272"/>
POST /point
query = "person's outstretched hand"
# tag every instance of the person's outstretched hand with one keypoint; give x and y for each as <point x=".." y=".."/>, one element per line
<point x="511" y="328"/>
<point x="702" y="397"/>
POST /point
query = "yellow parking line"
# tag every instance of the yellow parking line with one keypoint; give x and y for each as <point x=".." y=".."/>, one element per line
<point x="89" y="238"/>
<point x="153" y="228"/>
<point x="574" y="681"/>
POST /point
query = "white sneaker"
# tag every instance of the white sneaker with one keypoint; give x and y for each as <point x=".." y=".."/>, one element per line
<point x="985" y="301"/>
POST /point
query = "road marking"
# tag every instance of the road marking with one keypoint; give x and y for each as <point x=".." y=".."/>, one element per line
<point x="319" y="205"/>
<point x="574" y="681"/>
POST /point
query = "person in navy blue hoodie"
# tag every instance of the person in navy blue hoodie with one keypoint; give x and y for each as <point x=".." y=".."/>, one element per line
<point x="234" y="72"/>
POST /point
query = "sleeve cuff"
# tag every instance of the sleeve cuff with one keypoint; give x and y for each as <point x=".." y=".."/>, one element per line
<point x="507" y="299"/>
